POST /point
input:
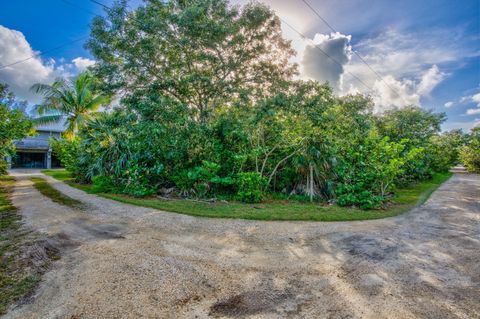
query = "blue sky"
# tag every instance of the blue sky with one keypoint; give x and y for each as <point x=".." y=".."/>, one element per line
<point x="426" y="51"/>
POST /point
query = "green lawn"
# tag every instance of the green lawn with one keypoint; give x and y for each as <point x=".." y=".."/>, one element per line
<point x="43" y="187"/>
<point x="405" y="200"/>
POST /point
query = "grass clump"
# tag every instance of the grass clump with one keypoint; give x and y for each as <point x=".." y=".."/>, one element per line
<point x="47" y="190"/>
<point x="274" y="209"/>
<point x="17" y="279"/>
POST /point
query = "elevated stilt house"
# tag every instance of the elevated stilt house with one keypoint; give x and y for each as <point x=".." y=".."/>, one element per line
<point x="35" y="151"/>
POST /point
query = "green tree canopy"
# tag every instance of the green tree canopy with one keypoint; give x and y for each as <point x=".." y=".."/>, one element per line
<point x="412" y="123"/>
<point x="470" y="153"/>
<point x="14" y="124"/>
<point x="200" y="53"/>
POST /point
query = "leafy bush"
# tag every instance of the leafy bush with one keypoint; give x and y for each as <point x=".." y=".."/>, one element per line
<point x="102" y="184"/>
<point x="202" y="180"/>
<point x="201" y="177"/>
<point x="250" y="187"/>
<point x="470" y="158"/>
<point x="67" y="151"/>
<point x="3" y="167"/>
<point x="14" y="125"/>
<point x="139" y="180"/>
<point x="378" y="163"/>
<point x="364" y="199"/>
<point x="470" y="153"/>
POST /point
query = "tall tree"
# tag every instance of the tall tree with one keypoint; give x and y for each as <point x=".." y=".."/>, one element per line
<point x="470" y="153"/>
<point x="412" y="122"/>
<point x="13" y="124"/>
<point x="200" y="53"/>
<point x="75" y="99"/>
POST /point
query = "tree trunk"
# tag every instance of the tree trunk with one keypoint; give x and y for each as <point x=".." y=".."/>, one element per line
<point x="311" y="182"/>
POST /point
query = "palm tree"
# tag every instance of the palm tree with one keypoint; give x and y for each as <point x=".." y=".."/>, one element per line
<point x="75" y="100"/>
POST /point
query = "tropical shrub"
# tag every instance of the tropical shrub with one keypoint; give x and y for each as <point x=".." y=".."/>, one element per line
<point x="445" y="149"/>
<point x="103" y="184"/>
<point x="139" y="180"/>
<point x="250" y="187"/>
<point x="417" y="126"/>
<point x="13" y="125"/>
<point x="202" y="181"/>
<point x="370" y="171"/>
<point x="470" y="153"/>
<point x="67" y="151"/>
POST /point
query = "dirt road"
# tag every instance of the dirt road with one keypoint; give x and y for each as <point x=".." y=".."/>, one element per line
<point x="122" y="261"/>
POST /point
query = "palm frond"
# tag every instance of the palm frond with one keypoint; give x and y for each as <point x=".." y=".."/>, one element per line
<point x="97" y="102"/>
<point x="75" y="99"/>
<point x="40" y="88"/>
<point x="47" y="119"/>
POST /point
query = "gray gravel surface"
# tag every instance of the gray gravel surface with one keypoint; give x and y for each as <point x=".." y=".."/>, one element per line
<point x="123" y="261"/>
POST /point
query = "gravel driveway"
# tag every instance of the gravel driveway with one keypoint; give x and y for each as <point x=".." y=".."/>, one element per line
<point x="122" y="261"/>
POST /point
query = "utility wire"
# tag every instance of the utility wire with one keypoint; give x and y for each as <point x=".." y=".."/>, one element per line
<point x="327" y="55"/>
<point x="106" y="7"/>
<point x="355" y="52"/>
<point x="44" y="52"/>
<point x="79" y="7"/>
<point x="299" y="33"/>
<point x="57" y="47"/>
<point x="101" y="4"/>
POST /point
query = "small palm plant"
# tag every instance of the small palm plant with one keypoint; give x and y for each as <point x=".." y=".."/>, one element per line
<point x="75" y="100"/>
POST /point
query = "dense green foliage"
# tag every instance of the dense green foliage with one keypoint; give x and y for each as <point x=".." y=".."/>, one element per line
<point x="250" y="187"/>
<point x="196" y="53"/>
<point x="209" y="108"/>
<point x="470" y="153"/>
<point x="13" y="125"/>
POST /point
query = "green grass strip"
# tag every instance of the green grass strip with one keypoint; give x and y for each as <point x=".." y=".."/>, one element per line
<point x="15" y="282"/>
<point x="6" y="183"/>
<point x="47" y="190"/>
<point x="405" y="200"/>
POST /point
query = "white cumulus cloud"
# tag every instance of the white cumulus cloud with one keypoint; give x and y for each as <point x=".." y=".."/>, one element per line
<point x="328" y="66"/>
<point x="21" y="76"/>
<point x="476" y="98"/>
<point x="448" y="104"/>
<point x="389" y="92"/>
<point x="21" y="66"/>
<point x="473" y="111"/>
<point x="82" y="63"/>
<point x="430" y="80"/>
<point x="408" y="66"/>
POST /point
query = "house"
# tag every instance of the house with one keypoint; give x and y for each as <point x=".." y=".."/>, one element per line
<point x="35" y="151"/>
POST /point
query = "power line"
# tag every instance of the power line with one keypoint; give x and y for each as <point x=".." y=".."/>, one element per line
<point x="101" y="4"/>
<point x="106" y="7"/>
<point x="298" y="32"/>
<point x="327" y="55"/>
<point x="78" y="7"/>
<point x="49" y="50"/>
<point x="355" y="52"/>
<point x="44" y="52"/>
<point x="60" y="46"/>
